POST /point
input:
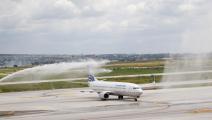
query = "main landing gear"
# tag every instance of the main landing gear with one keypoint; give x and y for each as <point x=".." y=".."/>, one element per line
<point x="120" y="97"/>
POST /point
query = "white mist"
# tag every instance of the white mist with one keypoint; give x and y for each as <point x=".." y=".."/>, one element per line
<point x="57" y="71"/>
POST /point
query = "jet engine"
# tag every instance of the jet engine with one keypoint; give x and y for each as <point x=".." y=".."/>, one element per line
<point x="104" y="95"/>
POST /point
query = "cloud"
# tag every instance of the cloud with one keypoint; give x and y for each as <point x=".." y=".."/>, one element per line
<point x="197" y="37"/>
<point x="92" y="26"/>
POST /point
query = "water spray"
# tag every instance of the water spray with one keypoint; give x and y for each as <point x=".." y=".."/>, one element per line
<point x="57" y="71"/>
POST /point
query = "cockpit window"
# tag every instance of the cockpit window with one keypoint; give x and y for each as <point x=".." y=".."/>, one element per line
<point x="136" y="88"/>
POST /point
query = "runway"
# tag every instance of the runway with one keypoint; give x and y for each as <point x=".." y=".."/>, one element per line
<point x="71" y="104"/>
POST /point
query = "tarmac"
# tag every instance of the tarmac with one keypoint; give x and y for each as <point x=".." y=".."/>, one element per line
<point x="70" y="104"/>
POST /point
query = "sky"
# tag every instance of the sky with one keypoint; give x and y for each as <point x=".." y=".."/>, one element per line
<point x="104" y="26"/>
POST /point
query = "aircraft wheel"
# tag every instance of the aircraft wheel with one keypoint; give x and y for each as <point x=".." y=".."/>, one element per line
<point x="120" y="97"/>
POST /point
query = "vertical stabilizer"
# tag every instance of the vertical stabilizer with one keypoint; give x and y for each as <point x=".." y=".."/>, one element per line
<point x="91" y="77"/>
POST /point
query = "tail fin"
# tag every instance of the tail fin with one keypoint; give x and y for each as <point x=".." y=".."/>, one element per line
<point x="91" y="77"/>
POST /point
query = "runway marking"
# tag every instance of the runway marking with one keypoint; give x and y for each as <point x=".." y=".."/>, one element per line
<point x="20" y="113"/>
<point x="202" y="110"/>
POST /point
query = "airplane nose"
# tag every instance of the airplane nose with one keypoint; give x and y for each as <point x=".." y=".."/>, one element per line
<point x="140" y="91"/>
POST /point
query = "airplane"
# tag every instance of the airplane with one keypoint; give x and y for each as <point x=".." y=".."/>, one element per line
<point x="120" y="89"/>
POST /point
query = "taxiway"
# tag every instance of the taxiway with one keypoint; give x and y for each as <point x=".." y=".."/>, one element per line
<point x="71" y="104"/>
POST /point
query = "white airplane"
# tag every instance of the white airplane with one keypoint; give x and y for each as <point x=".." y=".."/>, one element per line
<point x="120" y="89"/>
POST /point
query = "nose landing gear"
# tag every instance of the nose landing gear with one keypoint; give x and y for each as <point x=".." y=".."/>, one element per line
<point x="136" y="99"/>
